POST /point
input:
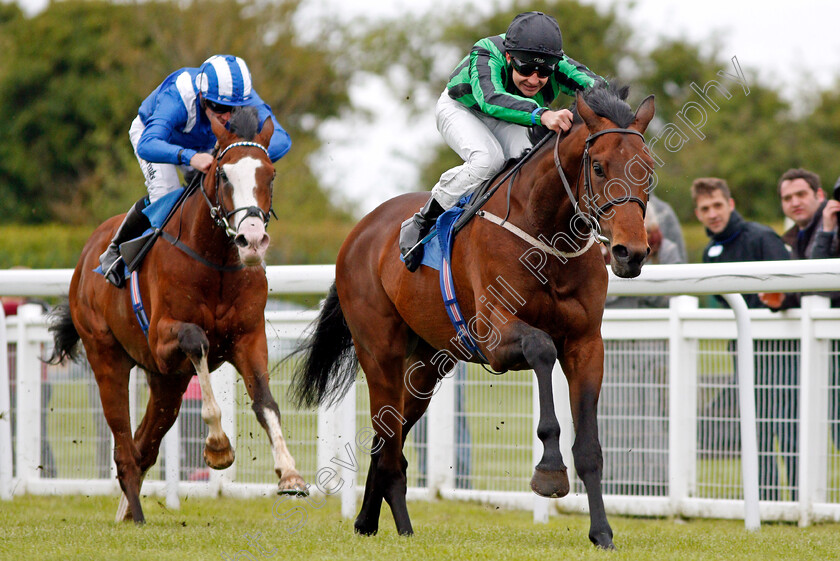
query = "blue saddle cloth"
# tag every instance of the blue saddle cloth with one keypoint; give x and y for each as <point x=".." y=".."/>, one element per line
<point x="438" y="243"/>
<point x="159" y="210"/>
<point x="437" y="255"/>
<point x="156" y="212"/>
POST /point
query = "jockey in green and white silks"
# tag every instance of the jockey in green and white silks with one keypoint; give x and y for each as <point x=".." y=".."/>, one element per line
<point x="497" y="92"/>
<point x="172" y="130"/>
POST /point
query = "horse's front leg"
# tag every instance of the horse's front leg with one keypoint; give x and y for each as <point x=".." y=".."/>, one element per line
<point x="583" y="364"/>
<point x="192" y="341"/>
<point x="251" y="360"/>
<point x="550" y="477"/>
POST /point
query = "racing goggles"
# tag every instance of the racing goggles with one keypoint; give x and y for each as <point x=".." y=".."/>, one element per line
<point x="218" y="108"/>
<point x="528" y="68"/>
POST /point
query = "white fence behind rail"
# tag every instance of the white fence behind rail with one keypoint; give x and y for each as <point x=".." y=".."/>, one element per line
<point x="668" y="415"/>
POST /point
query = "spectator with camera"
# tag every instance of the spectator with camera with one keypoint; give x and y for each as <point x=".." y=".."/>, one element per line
<point x="826" y="244"/>
<point x="813" y="236"/>
<point x="814" y="232"/>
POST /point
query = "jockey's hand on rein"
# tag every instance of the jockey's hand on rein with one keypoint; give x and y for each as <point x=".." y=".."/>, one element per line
<point x="558" y="121"/>
<point x="202" y="161"/>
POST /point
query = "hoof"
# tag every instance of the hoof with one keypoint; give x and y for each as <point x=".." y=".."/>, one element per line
<point x="603" y="541"/>
<point x="551" y="484"/>
<point x="292" y="484"/>
<point x="218" y="454"/>
<point x="125" y="514"/>
<point x="123" y="511"/>
<point x="364" y="530"/>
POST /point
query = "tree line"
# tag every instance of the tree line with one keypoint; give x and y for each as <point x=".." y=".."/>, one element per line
<point x="73" y="76"/>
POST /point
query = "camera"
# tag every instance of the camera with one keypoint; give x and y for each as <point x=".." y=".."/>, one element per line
<point x="836" y="193"/>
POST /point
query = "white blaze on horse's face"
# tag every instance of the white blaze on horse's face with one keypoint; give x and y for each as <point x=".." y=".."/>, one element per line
<point x="251" y="238"/>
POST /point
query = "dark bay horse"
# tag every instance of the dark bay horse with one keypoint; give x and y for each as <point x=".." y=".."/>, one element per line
<point x="203" y="310"/>
<point x="527" y="305"/>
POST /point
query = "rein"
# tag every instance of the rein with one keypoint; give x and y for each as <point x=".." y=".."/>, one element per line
<point x="511" y="174"/>
<point x="219" y="213"/>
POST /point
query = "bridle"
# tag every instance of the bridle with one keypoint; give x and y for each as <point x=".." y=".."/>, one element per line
<point x="587" y="181"/>
<point x="218" y="212"/>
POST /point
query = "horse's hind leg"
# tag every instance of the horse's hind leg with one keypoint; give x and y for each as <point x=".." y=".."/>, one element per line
<point x="251" y="360"/>
<point x="386" y="478"/>
<point x="165" y="394"/>
<point x="161" y="410"/>
<point x="111" y="368"/>
<point x="367" y="522"/>
<point x="218" y="453"/>
<point x="396" y="405"/>
<point x="583" y="365"/>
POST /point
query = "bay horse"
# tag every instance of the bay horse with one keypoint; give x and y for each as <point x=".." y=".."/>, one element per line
<point x="529" y="306"/>
<point x="205" y="298"/>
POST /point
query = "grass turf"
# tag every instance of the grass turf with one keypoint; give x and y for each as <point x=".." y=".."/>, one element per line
<point x="78" y="527"/>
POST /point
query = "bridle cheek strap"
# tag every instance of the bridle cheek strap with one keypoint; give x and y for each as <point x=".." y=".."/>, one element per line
<point x="218" y="212"/>
<point x="601" y="210"/>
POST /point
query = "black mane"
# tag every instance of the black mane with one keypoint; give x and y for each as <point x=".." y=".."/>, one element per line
<point x="244" y="122"/>
<point x="608" y="101"/>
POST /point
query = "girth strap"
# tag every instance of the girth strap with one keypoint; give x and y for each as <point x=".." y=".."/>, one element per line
<point x="515" y="230"/>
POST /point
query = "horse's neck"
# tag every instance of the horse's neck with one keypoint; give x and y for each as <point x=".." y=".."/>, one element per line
<point x="201" y="233"/>
<point x="546" y="206"/>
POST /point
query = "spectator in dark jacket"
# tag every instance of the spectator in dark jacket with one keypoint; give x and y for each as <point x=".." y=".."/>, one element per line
<point x="804" y="202"/>
<point x="734" y="239"/>
<point x="813" y="236"/>
<point x="826" y="243"/>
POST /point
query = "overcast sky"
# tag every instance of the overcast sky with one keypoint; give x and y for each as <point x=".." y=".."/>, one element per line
<point x="791" y="43"/>
<point x="795" y="43"/>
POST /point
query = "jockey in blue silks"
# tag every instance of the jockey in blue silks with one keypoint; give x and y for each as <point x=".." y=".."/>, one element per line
<point x="172" y="130"/>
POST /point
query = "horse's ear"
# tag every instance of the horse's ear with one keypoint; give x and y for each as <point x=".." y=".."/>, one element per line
<point x="264" y="137"/>
<point x="644" y="114"/>
<point x="592" y="120"/>
<point x="218" y="129"/>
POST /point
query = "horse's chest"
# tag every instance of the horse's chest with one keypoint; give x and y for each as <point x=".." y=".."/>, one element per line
<point x="561" y="317"/>
<point x="229" y="322"/>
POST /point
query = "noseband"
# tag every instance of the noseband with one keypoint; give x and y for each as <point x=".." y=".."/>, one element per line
<point x="218" y="212"/>
<point x="587" y="182"/>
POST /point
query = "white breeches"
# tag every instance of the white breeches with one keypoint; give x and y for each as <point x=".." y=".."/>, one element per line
<point x="483" y="142"/>
<point x="161" y="179"/>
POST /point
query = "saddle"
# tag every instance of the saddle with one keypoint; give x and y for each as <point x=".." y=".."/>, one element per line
<point x="480" y="195"/>
<point x="438" y="250"/>
<point x="473" y="201"/>
<point x="159" y="212"/>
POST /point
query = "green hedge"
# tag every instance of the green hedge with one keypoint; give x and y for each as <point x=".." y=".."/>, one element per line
<point x="56" y="246"/>
<point x="52" y="246"/>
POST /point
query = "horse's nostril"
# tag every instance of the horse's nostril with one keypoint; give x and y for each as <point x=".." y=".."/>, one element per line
<point x="240" y="241"/>
<point x="620" y="252"/>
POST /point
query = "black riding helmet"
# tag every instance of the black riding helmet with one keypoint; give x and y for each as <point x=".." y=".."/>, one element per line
<point x="534" y="36"/>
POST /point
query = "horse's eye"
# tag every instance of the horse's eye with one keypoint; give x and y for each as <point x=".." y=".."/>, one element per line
<point x="223" y="176"/>
<point x="599" y="171"/>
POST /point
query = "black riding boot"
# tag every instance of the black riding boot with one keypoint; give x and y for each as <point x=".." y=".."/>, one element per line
<point x="414" y="229"/>
<point x="133" y="225"/>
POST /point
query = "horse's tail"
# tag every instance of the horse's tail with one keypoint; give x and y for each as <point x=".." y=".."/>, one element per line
<point x="330" y="364"/>
<point x="64" y="334"/>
